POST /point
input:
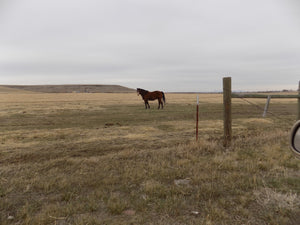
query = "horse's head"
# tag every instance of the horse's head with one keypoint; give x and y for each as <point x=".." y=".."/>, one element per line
<point x="141" y="92"/>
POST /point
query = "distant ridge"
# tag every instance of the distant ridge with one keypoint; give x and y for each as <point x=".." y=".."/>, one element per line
<point x="72" y="88"/>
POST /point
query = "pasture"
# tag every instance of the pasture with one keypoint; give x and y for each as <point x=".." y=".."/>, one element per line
<point x="104" y="159"/>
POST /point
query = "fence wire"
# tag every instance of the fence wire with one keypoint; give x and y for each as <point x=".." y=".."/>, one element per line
<point x="262" y="109"/>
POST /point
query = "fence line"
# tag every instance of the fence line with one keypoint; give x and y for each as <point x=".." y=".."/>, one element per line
<point x="227" y="95"/>
<point x="261" y="108"/>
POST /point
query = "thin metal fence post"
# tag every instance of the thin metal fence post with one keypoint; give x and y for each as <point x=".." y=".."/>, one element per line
<point x="197" y="117"/>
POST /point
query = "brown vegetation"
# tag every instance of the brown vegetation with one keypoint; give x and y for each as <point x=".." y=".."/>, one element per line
<point x="104" y="159"/>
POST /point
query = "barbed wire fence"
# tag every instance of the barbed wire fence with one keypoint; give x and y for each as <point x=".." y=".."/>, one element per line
<point x="227" y="96"/>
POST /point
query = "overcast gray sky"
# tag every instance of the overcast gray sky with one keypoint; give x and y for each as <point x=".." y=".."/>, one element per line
<point x="170" y="45"/>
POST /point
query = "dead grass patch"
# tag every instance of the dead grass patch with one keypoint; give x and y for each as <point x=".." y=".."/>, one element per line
<point x="268" y="197"/>
<point x="96" y="159"/>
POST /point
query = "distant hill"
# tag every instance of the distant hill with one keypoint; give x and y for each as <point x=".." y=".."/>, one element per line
<point x="8" y="90"/>
<point x="68" y="88"/>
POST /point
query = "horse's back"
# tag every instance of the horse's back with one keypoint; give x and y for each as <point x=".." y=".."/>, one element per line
<point x="154" y="95"/>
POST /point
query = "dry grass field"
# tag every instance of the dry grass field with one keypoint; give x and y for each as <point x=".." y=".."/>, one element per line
<point x="104" y="159"/>
<point x="83" y="88"/>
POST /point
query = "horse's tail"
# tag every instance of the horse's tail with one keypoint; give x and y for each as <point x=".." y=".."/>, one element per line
<point x="163" y="94"/>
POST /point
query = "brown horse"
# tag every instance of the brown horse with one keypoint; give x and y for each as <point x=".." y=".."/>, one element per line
<point x="150" y="96"/>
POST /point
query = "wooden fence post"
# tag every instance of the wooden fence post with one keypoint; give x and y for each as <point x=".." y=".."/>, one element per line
<point x="298" y="116"/>
<point x="227" y="111"/>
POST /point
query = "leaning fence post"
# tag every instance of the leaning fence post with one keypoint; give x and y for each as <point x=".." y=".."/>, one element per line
<point x="267" y="106"/>
<point x="227" y="111"/>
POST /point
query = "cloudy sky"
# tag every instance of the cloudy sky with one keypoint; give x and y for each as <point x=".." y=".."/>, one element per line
<point x="170" y="45"/>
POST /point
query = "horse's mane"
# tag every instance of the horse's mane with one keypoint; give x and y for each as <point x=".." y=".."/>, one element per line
<point x="142" y="91"/>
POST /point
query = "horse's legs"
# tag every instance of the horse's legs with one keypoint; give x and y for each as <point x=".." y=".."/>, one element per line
<point x="160" y="103"/>
<point x="147" y="104"/>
